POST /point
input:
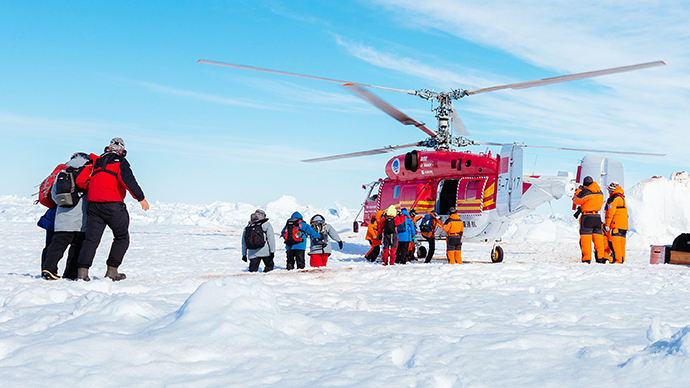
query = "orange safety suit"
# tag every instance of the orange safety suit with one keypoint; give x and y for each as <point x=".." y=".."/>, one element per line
<point x="616" y="222"/>
<point x="454" y="228"/>
<point x="373" y="237"/>
<point x="590" y="199"/>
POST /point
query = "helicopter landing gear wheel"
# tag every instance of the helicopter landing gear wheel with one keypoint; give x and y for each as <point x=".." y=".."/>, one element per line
<point x="497" y="254"/>
<point x="421" y="252"/>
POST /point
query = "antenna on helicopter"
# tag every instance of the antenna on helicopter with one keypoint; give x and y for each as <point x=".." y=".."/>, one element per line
<point x="446" y="116"/>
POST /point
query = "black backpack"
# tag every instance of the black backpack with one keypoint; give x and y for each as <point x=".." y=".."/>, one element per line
<point x="389" y="225"/>
<point x="320" y="227"/>
<point x="292" y="234"/>
<point x="66" y="190"/>
<point x="254" y="236"/>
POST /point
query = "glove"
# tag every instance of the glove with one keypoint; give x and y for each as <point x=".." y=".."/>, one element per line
<point x="244" y="258"/>
<point x="340" y="245"/>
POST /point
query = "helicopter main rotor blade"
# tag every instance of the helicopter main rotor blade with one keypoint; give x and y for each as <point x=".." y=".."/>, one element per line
<point x="589" y="150"/>
<point x="386" y="107"/>
<point x="363" y="153"/>
<point x="412" y="92"/>
<point x="564" y="78"/>
<point x="457" y="123"/>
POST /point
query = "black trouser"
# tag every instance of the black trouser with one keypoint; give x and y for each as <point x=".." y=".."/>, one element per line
<point x="373" y="253"/>
<point x="102" y="214"/>
<point x="401" y="253"/>
<point x="432" y="248"/>
<point x="49" y="238"/>
<point x="295" y="255"/>
<point x="454" y="243"/>
<point x="268" y="263"/>
<point x="57" y="249"/>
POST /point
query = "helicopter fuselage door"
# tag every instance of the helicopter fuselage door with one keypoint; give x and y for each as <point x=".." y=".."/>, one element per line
<point x="447" y="195"/>
<point x="509" y="185"/>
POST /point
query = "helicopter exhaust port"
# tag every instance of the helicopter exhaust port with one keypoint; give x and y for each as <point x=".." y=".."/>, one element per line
<point x="412" y="161"/>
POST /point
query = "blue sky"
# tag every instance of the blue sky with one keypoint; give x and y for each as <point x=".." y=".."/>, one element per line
<point x="75" y="74"/>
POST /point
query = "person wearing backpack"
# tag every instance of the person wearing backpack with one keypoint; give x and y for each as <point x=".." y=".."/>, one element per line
<point x="70" y="220"/>
<point x="320" y="248"/>
<point x="258" y="242"/>
<point x="389" y="235"/>
<point x="373" y="237"/>
<point x="109" y="179"/>
<point x="295" y="234"/>
<point x="427" y="227"/>
<point x="406" y="230"/>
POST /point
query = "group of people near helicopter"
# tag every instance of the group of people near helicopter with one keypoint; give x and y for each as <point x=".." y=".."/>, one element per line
<point x="391" y="233"/>
<point x="608" y="237"/>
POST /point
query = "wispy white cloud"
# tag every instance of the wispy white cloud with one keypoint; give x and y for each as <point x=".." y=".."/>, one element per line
<point x="624" y="111"/>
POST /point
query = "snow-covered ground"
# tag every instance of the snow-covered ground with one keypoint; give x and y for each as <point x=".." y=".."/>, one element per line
<point x="189" y="314"/>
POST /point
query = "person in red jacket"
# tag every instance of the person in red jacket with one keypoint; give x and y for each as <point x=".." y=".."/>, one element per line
<point x="108" y="180"/>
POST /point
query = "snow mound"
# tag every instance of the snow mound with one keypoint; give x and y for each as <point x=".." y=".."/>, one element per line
<point x="242" y="311"/>
<point x="535" y="227"/>
<point x="659" y="210"/>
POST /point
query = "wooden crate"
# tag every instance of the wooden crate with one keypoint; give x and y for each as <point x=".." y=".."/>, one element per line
<point x="678" y="257"/>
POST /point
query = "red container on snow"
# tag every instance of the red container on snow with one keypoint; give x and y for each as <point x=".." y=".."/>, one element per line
<point x="661" y="254"/>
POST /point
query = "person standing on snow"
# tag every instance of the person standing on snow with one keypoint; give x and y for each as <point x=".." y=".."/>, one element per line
<point x="258" y="242"/>
<point x="388" y="235"/>
<point x="69" y="227"/>
<point x="295" y="234"/>
<point x="108" y="181"/>
<point x="454" y="228"/>
<point x="320" y="248"/>
<point x="427" y="227"/>
<point x="405" y="229"/>
<point x="616" y="222"/>
<point x="590" y="199"/>
<point x="373" y="237"/>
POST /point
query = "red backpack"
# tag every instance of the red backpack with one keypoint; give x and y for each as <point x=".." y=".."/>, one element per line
<point x="292" y="233"/>
<point x="44" y="191"/>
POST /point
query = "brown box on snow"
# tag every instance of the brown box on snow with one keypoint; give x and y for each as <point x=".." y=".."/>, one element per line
<point x="678" y="257"/>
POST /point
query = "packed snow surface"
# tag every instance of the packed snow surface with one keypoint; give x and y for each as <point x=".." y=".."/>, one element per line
<point x="189" y="314"/>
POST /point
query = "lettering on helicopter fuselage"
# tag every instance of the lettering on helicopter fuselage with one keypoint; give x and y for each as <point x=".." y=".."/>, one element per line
<point x="423" y="159"/>
<point x="470" y="224"/>
<point x="427" y="165"/>
<point x="427" y="172"/>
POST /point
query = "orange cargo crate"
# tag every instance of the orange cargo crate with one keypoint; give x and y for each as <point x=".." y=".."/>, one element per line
<point x="660" y="254"/>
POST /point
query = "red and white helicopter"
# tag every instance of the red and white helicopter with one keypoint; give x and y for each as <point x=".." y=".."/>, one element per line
<point x="487" y="190"/>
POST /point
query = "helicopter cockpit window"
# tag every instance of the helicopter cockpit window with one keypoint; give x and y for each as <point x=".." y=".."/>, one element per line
<point x="396" y="192"/>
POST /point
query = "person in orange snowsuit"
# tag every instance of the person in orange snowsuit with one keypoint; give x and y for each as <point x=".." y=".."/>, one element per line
<point x="372" y="237"/>
<point x="454" y="228"/>
<point x="590" y="199"/>
<point x="616" y="222"/>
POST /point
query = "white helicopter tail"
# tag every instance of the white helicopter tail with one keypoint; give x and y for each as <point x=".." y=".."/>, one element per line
<point x="602" y="170"/>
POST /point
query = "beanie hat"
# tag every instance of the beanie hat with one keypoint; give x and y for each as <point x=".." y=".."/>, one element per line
<point x="588" y="181"/>
<point x="258" y="215"/>
<point x="391" y="211"/>
<point x="613" y="185"/>
<point x="117" y="145"/>
<point x="452" y="210"/>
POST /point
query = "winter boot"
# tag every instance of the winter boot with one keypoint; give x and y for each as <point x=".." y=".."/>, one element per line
<point x="83" y="274"/>
<point x="47" y="275"/>
<point x="114" y="275"/>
